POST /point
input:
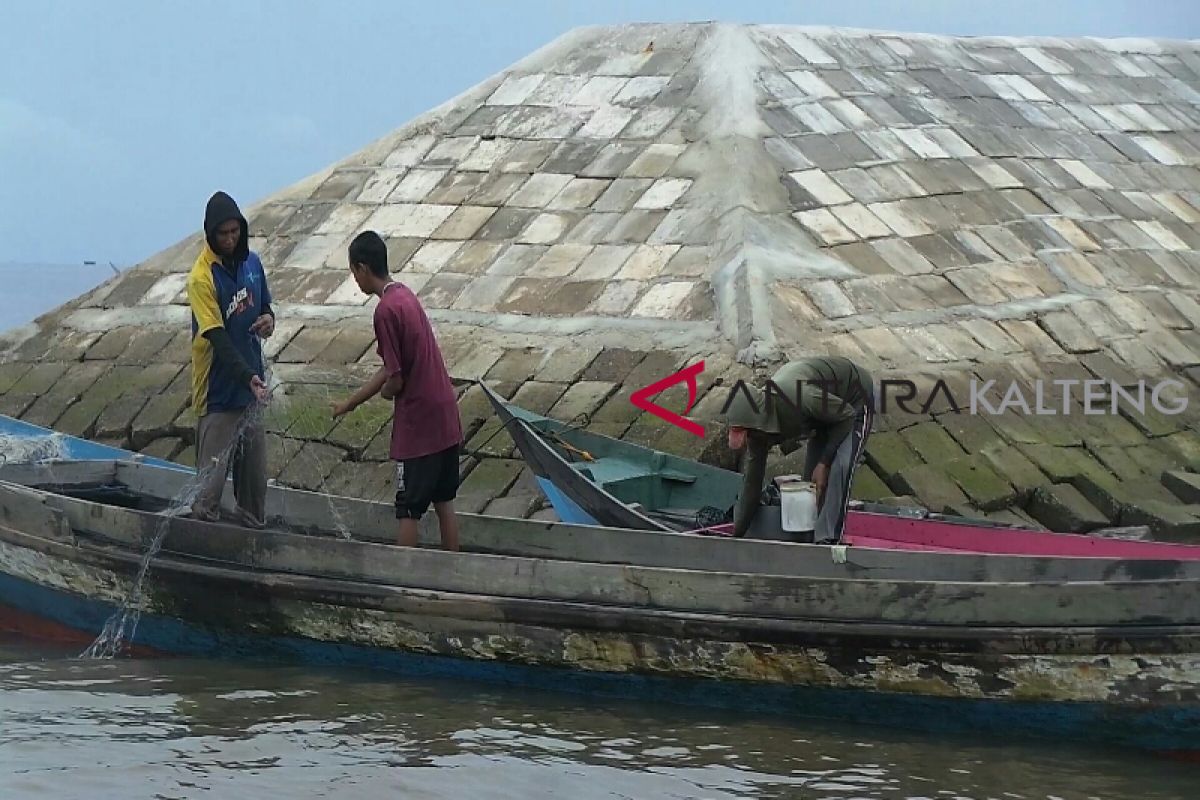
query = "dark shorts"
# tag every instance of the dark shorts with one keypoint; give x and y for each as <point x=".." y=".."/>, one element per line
<point x="424" y="480"/>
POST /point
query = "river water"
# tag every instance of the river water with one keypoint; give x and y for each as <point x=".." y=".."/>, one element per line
<point x="176" y="728"/>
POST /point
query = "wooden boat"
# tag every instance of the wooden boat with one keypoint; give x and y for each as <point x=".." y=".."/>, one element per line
<point x="591" y="479"/>
<point x="1088" y="648"/>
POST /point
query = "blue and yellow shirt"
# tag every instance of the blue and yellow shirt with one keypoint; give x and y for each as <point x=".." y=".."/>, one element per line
<point x="222" y="299"/>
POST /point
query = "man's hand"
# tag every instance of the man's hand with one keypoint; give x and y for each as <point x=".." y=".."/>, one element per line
<point x="820" y="480"/>
<point x="342" y="408"/>
<point x="737" y="438"/>
<point x="264" y="326"/>
<point x="262" y="392"/>
<point x="391" y="387"/>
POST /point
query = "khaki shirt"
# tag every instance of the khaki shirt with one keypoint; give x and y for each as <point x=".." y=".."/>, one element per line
<point x="804" y="396"/>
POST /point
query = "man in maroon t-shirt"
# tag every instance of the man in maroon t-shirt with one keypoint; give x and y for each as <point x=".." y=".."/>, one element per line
<point x="426" y="431"/>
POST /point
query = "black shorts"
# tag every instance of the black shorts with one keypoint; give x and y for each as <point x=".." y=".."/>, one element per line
<point x="424" y="480"/>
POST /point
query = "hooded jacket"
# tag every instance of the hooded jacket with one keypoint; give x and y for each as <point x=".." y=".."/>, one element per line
<point x="227" y="295"/>
<point x="220" y="209"/>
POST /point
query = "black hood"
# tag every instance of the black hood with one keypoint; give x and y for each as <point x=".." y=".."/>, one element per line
<point x="221" y="208"/>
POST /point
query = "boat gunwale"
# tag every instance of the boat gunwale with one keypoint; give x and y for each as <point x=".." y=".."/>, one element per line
<point x="938" y="606"/>
<point x="947" y="563"/>
<point x="1183" y="639"/>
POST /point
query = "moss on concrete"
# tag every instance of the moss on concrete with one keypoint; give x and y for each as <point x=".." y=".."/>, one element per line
<point x="1062" y="508"/>
<point x="888" y="453"/>
<point x="932" y="443"/>
<point x="985" y="488"/>
<point x="868" y="486"/>
<point x="932" y="487"/>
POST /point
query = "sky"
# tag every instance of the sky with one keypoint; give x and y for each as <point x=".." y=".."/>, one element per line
<point x="118" y="120"/>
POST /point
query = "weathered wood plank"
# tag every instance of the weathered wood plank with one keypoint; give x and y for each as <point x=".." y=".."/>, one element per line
<point x="388" y="618"/>
<point x="927" y="602"/>
<point x="528" y="538"/>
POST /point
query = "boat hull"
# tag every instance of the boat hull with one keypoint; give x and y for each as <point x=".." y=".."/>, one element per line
<point x="213" y="611"/>
<point x="258" y="625"/>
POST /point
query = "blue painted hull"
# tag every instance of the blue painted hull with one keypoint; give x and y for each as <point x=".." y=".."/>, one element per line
<point x="566" y="508"/>
<point x="1174" y="730"/>
<point x="79" y="449"/>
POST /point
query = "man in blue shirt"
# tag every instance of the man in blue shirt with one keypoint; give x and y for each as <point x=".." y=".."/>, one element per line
<point x="231" y="313"/>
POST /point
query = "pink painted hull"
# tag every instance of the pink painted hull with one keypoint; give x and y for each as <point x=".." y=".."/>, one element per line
<point x="886" y="532"/>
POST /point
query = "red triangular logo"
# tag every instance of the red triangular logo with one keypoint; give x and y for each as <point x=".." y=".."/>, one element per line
<point x="641" y="398"/>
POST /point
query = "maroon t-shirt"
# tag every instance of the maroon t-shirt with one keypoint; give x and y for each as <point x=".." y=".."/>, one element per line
<point x="426" y="412"/>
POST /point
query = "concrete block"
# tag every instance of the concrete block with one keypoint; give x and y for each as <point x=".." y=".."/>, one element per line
<point x="516" y="365"/>
<point x="972" y="432"/>
<point x="363" y="480"/>
<point x="1063" y="509"/>
<point x="566" y="364"/>
<point x="491" y="440"/>
<point x="888" y="454"/>
<point x="1060" y="431"/>
<point x="348" y="346"/>
<point x="1118" y="461"/>
<point x="492" y="477"/>
<point x="613" y="364"/>
<point x="646" y="430"/>
<point x="931" y="486"/>
<point x="163" y="448"/>
<point x="1185" y="444"/>
<point x="11" y="373"/>
<point x="474" y="362"/>
<point x="678" y="442"/>
<point x="986" y="489"/>
<point x="38" y="379"/>
<point x="1168" y="521"/>
<point x="537" y="396"/>
<point x="359" y="428"/>
<point x="116" y="418"/>
<point x="66" y="346"/>
<point x="14" y="405"/>
<point x="147" y="346"/>
<point x="931" y="441"/>
<point x="868" y="486"/>
<point x="1062" y="464"/>
<point x="1152" y="422"/>
<point x="581" y="400"/>
<point x="280" y="452"/>
<point x="1018" y="470"/>
<point x="1155" y="460"/>
<point x="1114" y="498"/>
<point x="311" y="465"/>
<point x="517" y="506"/>
<point x="80" y="417"/>
<point x="474" y="408"/>
<point x="442" y="290"/>
<point x="617" y="410"/>
<point x="157" y="417"/>
<point x="129" y="288"/>
<point x="306" y="345"/>
<point x="1184" y="485"/>
<point x="304" y="413"/>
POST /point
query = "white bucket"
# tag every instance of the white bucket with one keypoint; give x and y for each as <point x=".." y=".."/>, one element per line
<point x="798" y="506"/>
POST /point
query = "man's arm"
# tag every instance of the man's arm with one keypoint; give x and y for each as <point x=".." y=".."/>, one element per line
<point x="835" y="414"/>
<point x="753" y="474"/>
<point x="389" y="338"/>
<point x="264" y="326"/>
<point x="225" y="353"/>
<point x="368" y="390"/>
<point x="202" y="297"/>
<point x="392" y="387"/>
